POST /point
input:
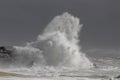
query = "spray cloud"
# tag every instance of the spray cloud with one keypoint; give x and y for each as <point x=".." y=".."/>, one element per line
<point x="57" y="46"/>
<point x="59" y="43"/>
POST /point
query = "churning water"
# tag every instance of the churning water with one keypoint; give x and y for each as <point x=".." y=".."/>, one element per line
<point x="55" y="52"/>
<point x="57" y="46"/>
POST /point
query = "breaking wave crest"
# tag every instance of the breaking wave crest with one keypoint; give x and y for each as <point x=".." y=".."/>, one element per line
<point x="57" y="46"/>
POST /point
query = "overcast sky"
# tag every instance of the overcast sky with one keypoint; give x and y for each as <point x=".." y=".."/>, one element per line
<point x="23" y="20"/>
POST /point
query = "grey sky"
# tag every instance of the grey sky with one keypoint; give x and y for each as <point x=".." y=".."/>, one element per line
<point x="23" y="20"/>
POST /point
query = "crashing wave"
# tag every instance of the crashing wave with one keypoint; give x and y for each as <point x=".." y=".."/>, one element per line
<point x="57" y="46"/>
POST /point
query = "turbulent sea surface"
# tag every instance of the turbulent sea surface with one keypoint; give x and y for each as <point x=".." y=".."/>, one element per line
<point x="56" y="55"/>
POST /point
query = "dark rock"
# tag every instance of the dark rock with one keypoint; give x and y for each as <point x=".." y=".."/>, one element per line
<point x="5" y="52"/>
<point x="118" y="77"/>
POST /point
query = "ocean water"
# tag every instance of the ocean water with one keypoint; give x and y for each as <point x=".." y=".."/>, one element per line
<point x="56" y="55"/>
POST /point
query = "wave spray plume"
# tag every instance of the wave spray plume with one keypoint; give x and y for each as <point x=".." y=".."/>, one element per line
<point x="57" y="46"/>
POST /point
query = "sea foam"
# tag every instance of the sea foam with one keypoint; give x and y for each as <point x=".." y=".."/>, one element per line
<point x="57" y="46"/>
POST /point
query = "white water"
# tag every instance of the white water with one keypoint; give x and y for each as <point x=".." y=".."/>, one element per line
<point x="56" y="55"/>
<point x="57" y="46"/>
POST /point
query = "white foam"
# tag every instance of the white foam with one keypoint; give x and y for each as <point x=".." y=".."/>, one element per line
<point x="57" y="46"/>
